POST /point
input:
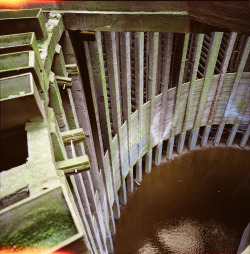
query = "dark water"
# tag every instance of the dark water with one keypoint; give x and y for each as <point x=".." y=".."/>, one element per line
<point x="198" y="203"/>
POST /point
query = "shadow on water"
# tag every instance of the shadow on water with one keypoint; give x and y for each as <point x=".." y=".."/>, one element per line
<point x="198" y="203"/>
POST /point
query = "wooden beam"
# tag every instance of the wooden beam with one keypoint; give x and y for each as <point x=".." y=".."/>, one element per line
<point x="72" y="69"/>
<point x="208" y="76"/>
<point x="196" y="58"/>
<point x="167" y="54"/>
<point x="113" y="74"/>
<point x="139" y="69"/>
<point x="55" y="101"/>
<point x="237" y="79"/>
<point x="178" y="102"/>
<point x="120" y="21"/>
<point x="76" y="135"/>
<point x="153" y="60"/>
<point x="101" y="88"/>
<point x="74" y="165"/>
<point x="64" y="81"/>
<point x="224" y="67"/>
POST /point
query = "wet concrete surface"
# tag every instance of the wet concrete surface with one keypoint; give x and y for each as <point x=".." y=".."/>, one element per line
<point x="197" y="203"/>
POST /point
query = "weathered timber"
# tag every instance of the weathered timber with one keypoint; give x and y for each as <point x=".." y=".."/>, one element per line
<point x="19" y="94"/>
<point x="178" y="102"/>
<point x="74" y="165"/>
<point x="139" y="67"/>
<point x="201" y="17"/>
<point x="153" y="56"/>
<point x="170" y="148"/>
<point x="223" y="72"/>
<point x="245" y="137"/>
<point x="158" y="154"/>
<point x="58" y="64"/>
<point x="122" y="194"/>
<point x="208" y="75"/>
<point x="113" y="74"/>
<point x="72" y="69"/>
<point x="205" y="136"/>
<point x="168" y="43"/>
<point x="232" y="135"/>
<point x="76" y="135"/>
<point x="64" y="81"/>
<point x="20" y="63"/>
<point x="181" y="141"/>
<point x="20" y="42"/>
<point x="237" y="79"/>
<point x="22" y="21"/>
<point x="55" y="101"/>
<point x="47" y="47"/>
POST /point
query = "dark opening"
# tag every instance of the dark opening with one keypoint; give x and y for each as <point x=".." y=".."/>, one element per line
<point x="13" y="148"/>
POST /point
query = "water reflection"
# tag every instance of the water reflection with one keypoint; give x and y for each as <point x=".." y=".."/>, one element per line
<point x="198" y="203"/>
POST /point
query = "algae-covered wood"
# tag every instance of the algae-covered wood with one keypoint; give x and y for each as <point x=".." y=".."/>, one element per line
<point x="21" y="21"/>
<point x="19" y="100"/>
<point x="22" y="62"/>
<point x="74" y="165"/>
<point x="49" y="222"/>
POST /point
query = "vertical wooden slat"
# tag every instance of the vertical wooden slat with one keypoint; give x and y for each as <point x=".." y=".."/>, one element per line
<point x="153" y="57"/>
<point x="225" y="62"/>
<point x="179" y="86"/>
<point x="113" y="72"/>
<point x="237" y="79"/>
<point x="152" y="76"/>
<point x="101" y="89"/>
<point x="126" y="81"/>
<point x="102" y="99"/>
<point x="245" y="137"/>
<point x="208" y="75"/>
<point x="168" y="43"/>
<point x="139" y="68"/>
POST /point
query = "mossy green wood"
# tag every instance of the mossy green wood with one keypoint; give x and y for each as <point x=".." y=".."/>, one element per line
<point x="21" y="21"/>
<point x="20" y="42"/>
<point x="55" y="101"/>
<point x="57" y="142"/>
<point x="47" y="46"/>
<point x="58" y="64"/>
<point x="64" y="81"/>
<point x="72" y="69"/>
<point x="19" y="95"/>
<point x="76" y="135"/>
<point x="49" y="222"/>
<point x="23" y="62"/>
<point x="74" y="165"/>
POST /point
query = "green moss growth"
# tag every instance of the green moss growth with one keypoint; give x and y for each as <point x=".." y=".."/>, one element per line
<point x="44" y="233"/>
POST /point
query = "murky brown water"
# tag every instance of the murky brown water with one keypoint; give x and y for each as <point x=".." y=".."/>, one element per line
<point x="198" y="203"/>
